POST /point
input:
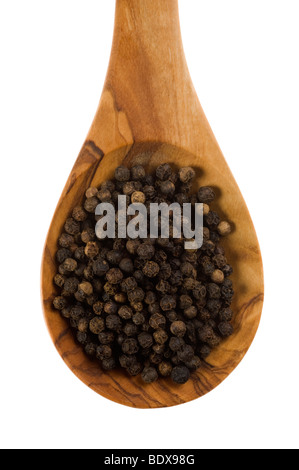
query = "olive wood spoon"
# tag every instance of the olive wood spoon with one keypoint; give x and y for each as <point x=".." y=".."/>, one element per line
<point x="149" y="113"/>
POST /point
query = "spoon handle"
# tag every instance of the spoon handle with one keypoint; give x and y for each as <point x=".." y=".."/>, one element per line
<point x="148" y="93"/>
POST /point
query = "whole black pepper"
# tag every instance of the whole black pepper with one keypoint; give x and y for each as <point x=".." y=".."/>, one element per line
<point x="103" y="352"/>
<point x="109" y="364"/>
<point x="71" y="226"/>
<point x="59" y="280"/>
<point x="106" y="337"/>
<point x="59" y="302"/>
<point x="126" y="265"/>
<point x="186" y="174"/>
<point x="186" y="353"/>
<point x="113" y="322"/>
<point x="178" y="328"/>
<point x="91" y="204"/>
<point x="125" y="312"/>
<point x="66" y="240"/>
<point x="164" y="171"/>
<point x="130" y="329"/>
<point x="180" y="374"/>
<point x="137" y="172"/>
<point x="97" y="325"/>
<point x="168" y="302"/>
<point x="176" y="343"/>
<point x="145" y="340"/>
<point x="114" y="276"/>
<point x="160" y="336"/>
<point x="146" y="305"/>
<point x="151" y="269"/>
<point x="225" y="328"/>
<point x="206" y="194"/>
<point x="157" y="320"/>
<point x="165" y="368"/>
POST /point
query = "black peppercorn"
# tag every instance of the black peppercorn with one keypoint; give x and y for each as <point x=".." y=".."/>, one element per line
<point x="225" y="314"/>
<point x="125" y="312"/>
<point x="79" y="214"/>
<point x="91" y="250"/>
<point x="167" y="187"/>
<point x="91" y="204"/>
<point x="194" y="363"/>
<point x="206" y="194"/>
<point x="157" y="320"/>
<point x="186" y="174"/>
<point x="138" y="318"/>
<point x="81" y="337"/>
<point x="168" y="302"/>
<point x="109" y="364"/>
<point x="185" y="301"/>
<point x="145" y="340"/>
<point x="165" y="368"/>
<point x="164" y="171"/>
<point x="59" y="302"/>
<point x="135" y="368"/>
<point x="128" y="284"/>
<point x="66" y="240"/>
<point x="225" y="328"/>
<point x="59" y="280"/>
<point x="100" y="267"/>
<point x="150" y="269"/>
<point x="114" y="276"/>
<point x="178" y="328"/>
<point x="114" y="257"/>
<point x="104" y="195"/>
<point x="106" y="337"/>
<point x="190" y="312"/>
<point x="186" y="353"/>
<point x="130" y="329"/>
<point x="160" y="336"/>
<point x="130" y="346"/>
<point x="180" y="374"/>
<point x="176" y="343"/>
<point x="136" y="295"/>
<point x="126" y="265"/>
<point x="70" y="285"/>
<point x="103" y="352"/>
<point x="62" y="254"/>
<point x="90" y="349"/>
<point x="146" y="251"/>
<point x="137" y="172"/>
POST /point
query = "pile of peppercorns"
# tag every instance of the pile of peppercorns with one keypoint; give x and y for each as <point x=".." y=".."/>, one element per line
<point x="148" y="305"/>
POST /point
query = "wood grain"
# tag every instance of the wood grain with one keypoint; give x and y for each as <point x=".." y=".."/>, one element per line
<point x="149" y="113"/>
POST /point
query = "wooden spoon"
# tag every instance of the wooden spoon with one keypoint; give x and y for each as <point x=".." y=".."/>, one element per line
<point x="149" y="113"/>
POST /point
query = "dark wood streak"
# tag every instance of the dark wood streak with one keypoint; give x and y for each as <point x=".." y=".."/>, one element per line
<point x="249" y="304"/>
<point x="90" y="154"/>
<point x="166" y="389"/>
<point x="61" y="336"/>
<point x="49" y="255"/>
<point x="71" y="352"/>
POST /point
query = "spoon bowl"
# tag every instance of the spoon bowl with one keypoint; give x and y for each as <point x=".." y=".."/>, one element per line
<point x="149" y="113"/>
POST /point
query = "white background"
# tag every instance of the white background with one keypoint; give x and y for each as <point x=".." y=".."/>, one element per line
<point x="243" y="59"/>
